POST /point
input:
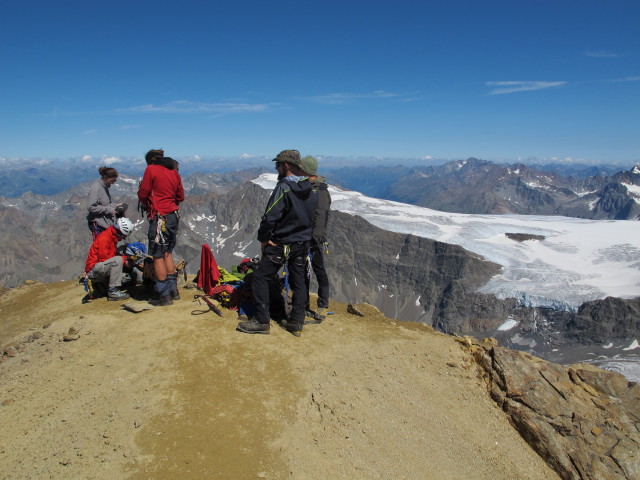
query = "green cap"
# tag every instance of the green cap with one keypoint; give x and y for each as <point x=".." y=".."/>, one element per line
<point x="309" y="165"/>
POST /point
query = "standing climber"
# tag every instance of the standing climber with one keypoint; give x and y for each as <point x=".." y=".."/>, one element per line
<point x="318" y="246"/>
<point x="160" y="193"/>
<point x="284" y="235"/>
<point x="102" y="212"/>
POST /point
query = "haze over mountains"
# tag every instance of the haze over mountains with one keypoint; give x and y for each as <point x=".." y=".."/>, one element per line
<point x="371" y="176"/>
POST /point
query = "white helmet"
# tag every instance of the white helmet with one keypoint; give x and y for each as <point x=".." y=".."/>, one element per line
<point x="124" y="226"/>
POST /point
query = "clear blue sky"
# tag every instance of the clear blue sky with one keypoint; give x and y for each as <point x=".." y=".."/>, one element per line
<point x="498" y="80"/>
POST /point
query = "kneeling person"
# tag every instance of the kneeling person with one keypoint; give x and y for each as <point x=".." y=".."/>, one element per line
<point x="103" y="263"/>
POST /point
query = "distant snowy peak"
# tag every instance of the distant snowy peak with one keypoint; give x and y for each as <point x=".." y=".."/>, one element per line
<point x="634" y="191"/>
<point x="578" y="260"/>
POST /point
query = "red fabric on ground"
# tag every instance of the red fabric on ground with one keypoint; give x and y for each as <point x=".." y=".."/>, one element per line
<point x="223" y="288"/>
<point x="209" y="273"/>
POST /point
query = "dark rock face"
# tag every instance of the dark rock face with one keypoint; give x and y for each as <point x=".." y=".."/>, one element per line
<point x="522" y="237"/>
<point x="615" y="203"/>
<point x="545" y="329"/>
<point x="405" y="276"/>
<point x="601" y="320"/>
<point x="584" y="421"/>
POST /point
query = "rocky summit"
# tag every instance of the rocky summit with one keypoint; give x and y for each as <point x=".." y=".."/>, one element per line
<point x="96" y="391"/>
<point x="582" y="420"/>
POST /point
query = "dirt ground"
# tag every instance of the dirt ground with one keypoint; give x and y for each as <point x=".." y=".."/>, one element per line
<point x="165" y="394"/>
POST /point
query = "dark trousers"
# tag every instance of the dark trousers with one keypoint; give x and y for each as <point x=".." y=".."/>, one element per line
<point x="273" y="258"/>
<point x="316" y="252"/>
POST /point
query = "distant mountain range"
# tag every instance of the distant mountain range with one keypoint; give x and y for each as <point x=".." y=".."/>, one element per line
<point x="466" y="186"/>
<point x="481" y="187"/>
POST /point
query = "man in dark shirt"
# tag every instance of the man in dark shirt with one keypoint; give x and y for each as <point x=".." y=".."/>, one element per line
<point x="284" y="235"/>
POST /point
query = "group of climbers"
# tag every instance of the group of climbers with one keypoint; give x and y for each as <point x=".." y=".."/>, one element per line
<point x="292" y="236"/>
<point x="160" y="194"/>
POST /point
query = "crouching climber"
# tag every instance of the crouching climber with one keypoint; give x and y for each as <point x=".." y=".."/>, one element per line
<point x="103" y="262"/>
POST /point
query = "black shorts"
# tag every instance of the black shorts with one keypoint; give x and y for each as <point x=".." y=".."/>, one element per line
<point x="163" y="232"/>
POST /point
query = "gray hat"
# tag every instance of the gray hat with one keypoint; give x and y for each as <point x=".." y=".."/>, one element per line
<point x="288" y="156"/>
<point x="309" y="165"/>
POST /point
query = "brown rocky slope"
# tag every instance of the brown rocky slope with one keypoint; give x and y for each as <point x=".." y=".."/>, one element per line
<point x="94" y="391"/>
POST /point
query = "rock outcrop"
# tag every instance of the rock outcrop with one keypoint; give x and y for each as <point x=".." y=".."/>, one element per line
<point x="583" y="421"/>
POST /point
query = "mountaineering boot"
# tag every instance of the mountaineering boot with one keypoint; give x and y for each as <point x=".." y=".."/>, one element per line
<point x="318" y="316"/>
<point x="115" y="294"/>
<point x="172" y="279"/>
<point x="253" y="326"/>
<point x="294" y="329"/>
<point x="163" y="290"/>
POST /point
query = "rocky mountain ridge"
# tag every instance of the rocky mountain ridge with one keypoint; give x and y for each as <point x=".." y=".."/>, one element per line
<point x="481" y="187"/>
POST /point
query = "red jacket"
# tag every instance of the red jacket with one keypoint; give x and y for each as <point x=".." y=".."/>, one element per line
<point x="103" y="248"/>
<point x="160" y="190"/>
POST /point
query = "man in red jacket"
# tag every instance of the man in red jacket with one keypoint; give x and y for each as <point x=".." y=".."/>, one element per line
<point x="103" y="263"/>
<point x="161" y="193"/>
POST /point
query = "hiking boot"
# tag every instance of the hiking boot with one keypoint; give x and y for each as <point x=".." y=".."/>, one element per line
<point x="294" y="329"/>
<point x="115" y="294"/>
<point x="253" y="326"/>
<point x="162" y="301"/>
<point x="317" y="316"/>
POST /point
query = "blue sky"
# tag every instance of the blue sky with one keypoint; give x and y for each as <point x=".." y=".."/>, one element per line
<point x="497" y="80"/>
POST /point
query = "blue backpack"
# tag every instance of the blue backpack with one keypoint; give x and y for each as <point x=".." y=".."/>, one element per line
<point x="136" y="249"/>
